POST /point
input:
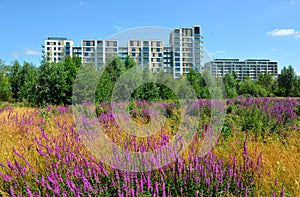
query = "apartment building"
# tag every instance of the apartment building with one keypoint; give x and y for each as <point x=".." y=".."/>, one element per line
<point x="249" y="67"/>
<point x="97" y="51"/>
<point x="186" y="45"/>
<point x="148" y="53"/>
<point x="182" y="53"/>
<point x="55" y="49"/>
<point x="77" y="51"/>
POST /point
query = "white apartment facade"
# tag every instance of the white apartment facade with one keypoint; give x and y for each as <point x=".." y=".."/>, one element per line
<point x="97" y="51"/>
<point x="250" y="67"/>
<point x="181" y="54"/>
<point x="55" y="49"/>
<point x="186" y="45"/>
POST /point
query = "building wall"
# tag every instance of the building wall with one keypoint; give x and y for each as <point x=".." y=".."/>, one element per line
<point x="250" y="67"/>
<point x="55" y="49"/>
<point x="148" y="53"/>
<point x="177" y="58"/>
<point x="97" y="51"/>
<point x="186" y="44"/>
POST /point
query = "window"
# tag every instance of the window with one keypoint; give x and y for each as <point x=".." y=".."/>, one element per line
<point x="54" y="48"/>
<point x="146" y="43"/>
<point x="131" y="43"/>
<point x="99" y="43"/>
<point x="54" y="53"/>
<point x="88" y="49"/>
<point x="197" y="30"/>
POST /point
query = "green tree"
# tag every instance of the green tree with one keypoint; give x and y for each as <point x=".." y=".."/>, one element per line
<point x="251" y="87"/>
<point x="85" y="84"/>
<point x="51" y="86"/>
<point x="71" y="66"/>
<point x="195" y="79"/>
<point x="230" y="85"/>
<point x="29" y="77"/>
<point x="287" y="81"/>
<point x="111" y="73"/>
<point x="267" y="82"/>
<point x="130" y="62"/>
<point x="5" y="90"/>
<point x="15" y="79"/>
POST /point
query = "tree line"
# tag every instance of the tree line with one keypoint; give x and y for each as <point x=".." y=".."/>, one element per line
<point x="53" y="83"/>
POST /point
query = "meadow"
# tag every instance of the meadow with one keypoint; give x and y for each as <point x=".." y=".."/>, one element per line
<point x="257" y="153"/>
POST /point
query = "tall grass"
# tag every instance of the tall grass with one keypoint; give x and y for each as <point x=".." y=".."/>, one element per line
<point x="42" y="154"/>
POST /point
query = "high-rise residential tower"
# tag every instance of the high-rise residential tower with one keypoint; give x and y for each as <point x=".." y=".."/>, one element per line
<point x="186" y="45"/>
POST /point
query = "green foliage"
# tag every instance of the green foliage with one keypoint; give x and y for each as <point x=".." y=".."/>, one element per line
<point x="51" y="84"/>
<point x="111" y="73"/>
<point x="5" y="90"/>
<point x="28" y="76"/>
<point x="267" y="81"/>
<point x="85" y="83"/>
<point x="230" y="85"/>
<point x="71" y="67"/>
<point x="15" y="79"/>
<point x="287" y="81"/>
<point x="251" y="87"/>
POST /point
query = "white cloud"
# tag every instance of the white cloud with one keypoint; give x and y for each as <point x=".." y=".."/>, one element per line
<point x="31" y="52"/>
<point x="81" y="3"/>
<point x="284" y="32"/>
<point x="292" y="2"/>
<point x="25" y="51"/>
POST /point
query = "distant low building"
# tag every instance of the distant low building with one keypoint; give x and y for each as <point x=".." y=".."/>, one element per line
<point x="249" y="67"/>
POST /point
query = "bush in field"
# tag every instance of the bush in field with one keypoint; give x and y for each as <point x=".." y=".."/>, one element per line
<point x="263" y="116"/>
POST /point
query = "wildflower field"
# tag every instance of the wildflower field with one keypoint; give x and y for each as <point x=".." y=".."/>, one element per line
<point x="257" y="153"/>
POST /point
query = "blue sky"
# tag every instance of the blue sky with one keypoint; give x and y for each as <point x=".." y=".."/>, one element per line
<point x="268" y="29"/>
